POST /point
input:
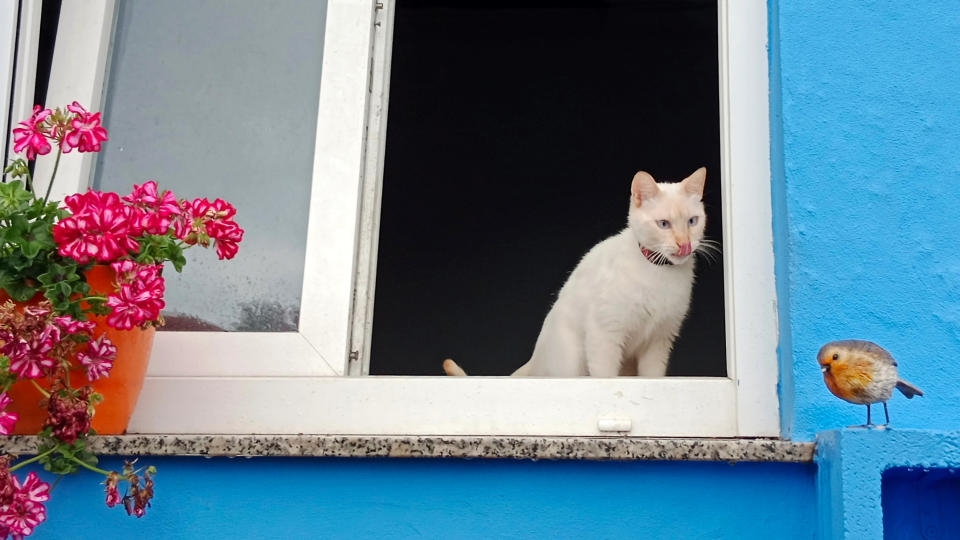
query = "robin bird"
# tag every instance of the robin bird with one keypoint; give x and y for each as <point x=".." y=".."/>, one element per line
<point x="862" y="372"/>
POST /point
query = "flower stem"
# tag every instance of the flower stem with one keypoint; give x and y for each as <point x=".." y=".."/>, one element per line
<point x="88" y="466"/>
<point x="89" y="298"/>
<point x="37" y="457"/>
<point x="53" y="175"/>
<point x="40" y="388"/>
<point x="29" y="181"/>
<point x="56" y="482"/>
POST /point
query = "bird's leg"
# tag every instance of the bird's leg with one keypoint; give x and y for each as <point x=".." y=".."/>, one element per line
<point x="869" y="422"/>
<point x="886" y="413"/>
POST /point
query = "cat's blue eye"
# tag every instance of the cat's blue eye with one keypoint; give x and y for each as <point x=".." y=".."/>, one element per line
<point x="663" y="224"/>
<point x="693" y="220"/>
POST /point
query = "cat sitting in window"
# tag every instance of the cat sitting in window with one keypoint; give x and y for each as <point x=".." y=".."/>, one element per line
<point x="621" y="309"/>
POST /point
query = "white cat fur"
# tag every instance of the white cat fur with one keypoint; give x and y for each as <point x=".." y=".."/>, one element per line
<point x="619" y="313"/>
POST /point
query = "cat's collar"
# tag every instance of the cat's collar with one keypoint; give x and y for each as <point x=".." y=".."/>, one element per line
<point x="655" y="257"/>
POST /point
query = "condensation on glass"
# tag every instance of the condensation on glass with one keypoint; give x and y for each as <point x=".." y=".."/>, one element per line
<point x="218" y="98"/>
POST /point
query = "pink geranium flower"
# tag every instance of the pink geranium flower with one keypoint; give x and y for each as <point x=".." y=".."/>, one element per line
<point x="33" y="489"/>
<point x="37" y="312"/>
<point x="227" y="234"/>
<point x="143" y="277"/>
<point x="32" y="137"/>
<point x="158" y="209"/>
<point x="133" y="306"/>
<point x="30" y="358"/>
<point x="68" y="415"/>
<point x="199" y="208"/>
<point x="98" y="358"/>
<point x="72" y="326"/>
<point x="80" y="203"/>
<point x="22" y="517"/>
<point x="222" y="209"/>
<point x="191" y="227"/>
<point x="126" y="270"/>
<point x="203" y="221"/>
<point x="154" y="223"/>
<point x="24" y="510"/>
<point x="147" y="196"/>
<point x="7" y="419"/>
<point x="7" y="422"/>
<point x="113" y="494"/>
<point x="86" y="133"/>
<point x="101" y="229"/>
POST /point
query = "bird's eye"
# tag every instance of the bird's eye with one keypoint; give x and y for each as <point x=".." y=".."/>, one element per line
<point x="835" y="356"/>
<point x="693" y="221"/>
<point x="663" y="224"/>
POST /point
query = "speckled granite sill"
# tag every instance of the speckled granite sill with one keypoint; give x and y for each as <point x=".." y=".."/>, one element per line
<point x="586" y="448"/>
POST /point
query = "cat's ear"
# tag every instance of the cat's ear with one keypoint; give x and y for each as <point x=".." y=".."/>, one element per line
<point x="643" y="187"/>
<point x="693" y="184"/>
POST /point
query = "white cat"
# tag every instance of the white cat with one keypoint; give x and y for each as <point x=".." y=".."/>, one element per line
<point x="621" y="308"/>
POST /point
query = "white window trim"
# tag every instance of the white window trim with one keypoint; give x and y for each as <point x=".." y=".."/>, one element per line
<point x="18" y="91"/>
<point x="286" y="383"/>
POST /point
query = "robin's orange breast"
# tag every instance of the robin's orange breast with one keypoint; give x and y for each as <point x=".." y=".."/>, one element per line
<point x="849" y="380"/>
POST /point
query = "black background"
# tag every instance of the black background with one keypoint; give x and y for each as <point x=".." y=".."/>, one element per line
<point x="514" y="131"/>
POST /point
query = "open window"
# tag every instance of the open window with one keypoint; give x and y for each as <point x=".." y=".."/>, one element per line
<point x="292" y="126"/>
<point x="513" y="135"/>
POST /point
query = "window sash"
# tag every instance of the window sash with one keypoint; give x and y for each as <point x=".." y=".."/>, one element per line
<point x="287" y="383"/>
<point x="672" y="407"/>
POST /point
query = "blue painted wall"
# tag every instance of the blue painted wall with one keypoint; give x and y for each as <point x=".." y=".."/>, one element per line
<point x="376" y="498"/>
<point x="866" y="167"/>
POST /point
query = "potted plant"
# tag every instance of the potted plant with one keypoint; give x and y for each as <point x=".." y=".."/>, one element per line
<point x="81" y="292"/>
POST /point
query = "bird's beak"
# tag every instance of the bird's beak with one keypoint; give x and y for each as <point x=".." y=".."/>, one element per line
<point x="825" y="368"/>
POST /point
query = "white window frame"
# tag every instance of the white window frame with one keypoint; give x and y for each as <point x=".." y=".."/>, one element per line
<point x="291" y="382"/>
<point x="21" y="50"/>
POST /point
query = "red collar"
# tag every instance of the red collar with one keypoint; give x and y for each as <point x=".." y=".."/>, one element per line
<point x="655" y="257"/>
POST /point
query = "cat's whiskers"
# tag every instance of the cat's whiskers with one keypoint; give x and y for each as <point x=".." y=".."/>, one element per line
<point x="705" y="255"/>
<point x="709" y="250"/>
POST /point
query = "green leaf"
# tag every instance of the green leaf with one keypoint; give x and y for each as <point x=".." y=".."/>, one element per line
<point x="88" y="457"/>
<point x="178" y="260"/>
<point x="17" y="168"/>
<point x="59" y="464"/>
<point x="13" y="198"/>
<point x="20" y="292"/>
<point x="31" y="249"/>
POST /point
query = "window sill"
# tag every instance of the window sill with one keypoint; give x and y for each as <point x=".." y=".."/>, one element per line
<point x="585" y="448"/>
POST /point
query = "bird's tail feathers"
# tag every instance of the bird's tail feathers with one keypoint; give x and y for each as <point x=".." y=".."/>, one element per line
<point x="908" y="389"/>
<point x="451" y="368"/>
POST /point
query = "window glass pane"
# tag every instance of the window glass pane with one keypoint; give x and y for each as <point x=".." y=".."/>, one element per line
<point x="218" y="98"/>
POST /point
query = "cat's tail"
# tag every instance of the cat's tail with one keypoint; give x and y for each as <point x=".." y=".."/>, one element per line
<point x="451" y="368"/>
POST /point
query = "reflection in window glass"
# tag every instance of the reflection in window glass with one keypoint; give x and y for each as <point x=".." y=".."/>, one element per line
<point x="209" y="99"/>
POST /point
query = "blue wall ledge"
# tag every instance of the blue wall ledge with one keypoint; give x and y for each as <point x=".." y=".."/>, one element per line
<point x="284" y="498"/>
<point x="851" y="464"/>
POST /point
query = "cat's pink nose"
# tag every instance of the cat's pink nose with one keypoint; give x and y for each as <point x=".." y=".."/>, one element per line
<point x="684" y="250"/>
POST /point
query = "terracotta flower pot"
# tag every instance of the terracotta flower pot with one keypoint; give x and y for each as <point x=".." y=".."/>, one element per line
<point x="120" y="389"/>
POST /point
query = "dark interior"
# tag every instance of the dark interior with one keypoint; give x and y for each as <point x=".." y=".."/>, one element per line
<point x="514" y="131"/>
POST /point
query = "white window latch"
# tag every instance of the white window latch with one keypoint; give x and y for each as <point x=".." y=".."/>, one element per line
<point x="614" y="423"/>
